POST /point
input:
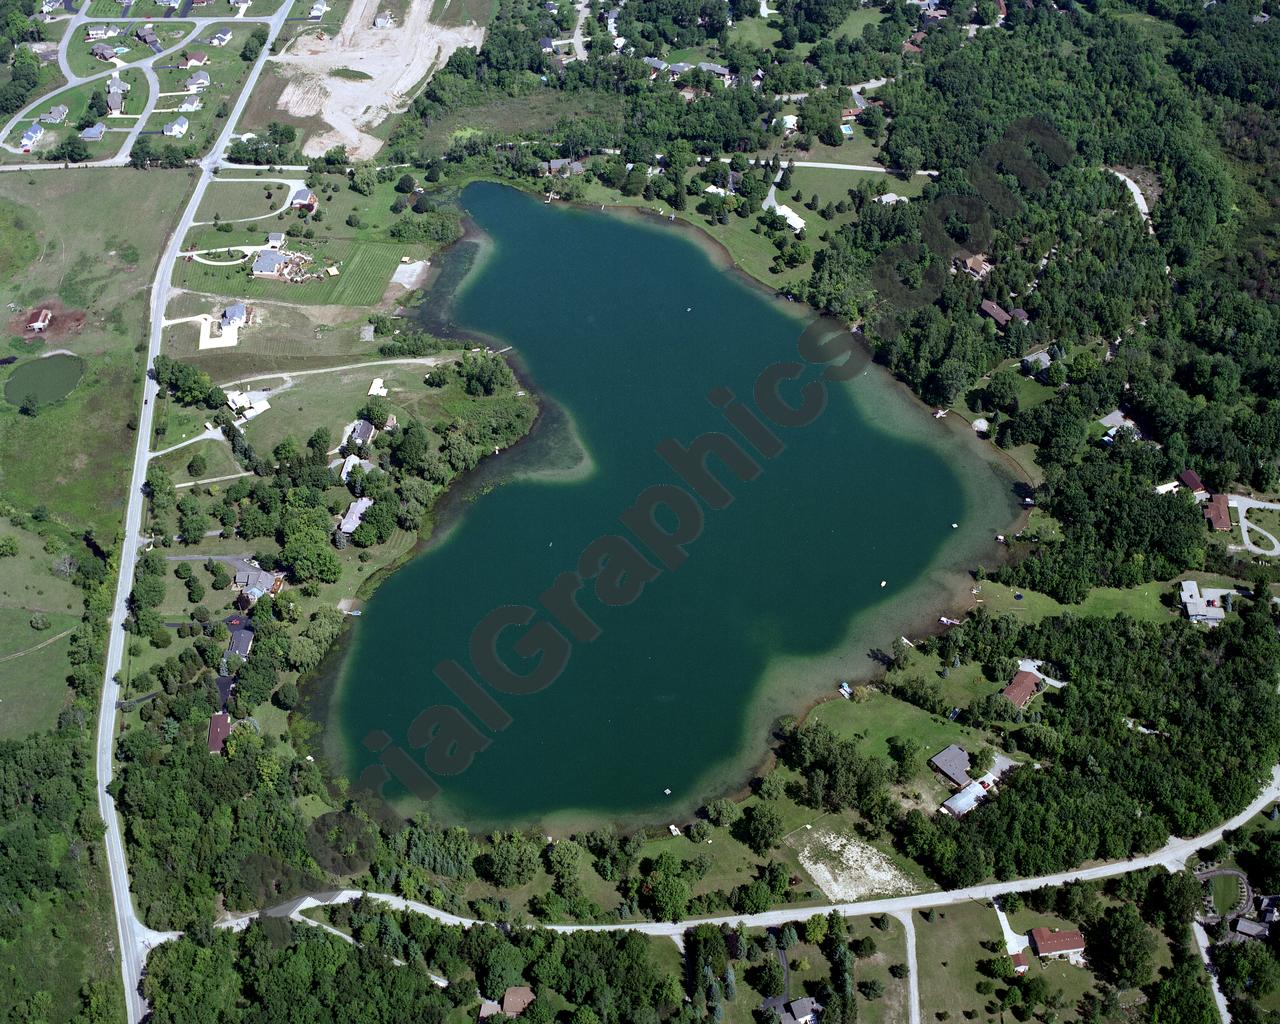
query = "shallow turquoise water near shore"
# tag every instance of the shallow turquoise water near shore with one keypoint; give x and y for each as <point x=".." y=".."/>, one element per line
<point x="626" y="327"/>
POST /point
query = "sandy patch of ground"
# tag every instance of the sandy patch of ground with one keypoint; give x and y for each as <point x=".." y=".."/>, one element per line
<point x="396" y="59"/>
<point x="847" y="869"/>
<point x="66" y="323"/>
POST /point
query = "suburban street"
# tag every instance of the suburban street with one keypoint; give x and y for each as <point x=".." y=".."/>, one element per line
<point x="135" y="938"/>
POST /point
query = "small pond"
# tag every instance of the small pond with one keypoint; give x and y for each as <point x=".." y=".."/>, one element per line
<point x="48" y="379"/>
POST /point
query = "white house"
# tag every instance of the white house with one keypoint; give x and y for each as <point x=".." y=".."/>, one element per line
<point x="31" y="136"/>
<point x="355" y="514"/>
<point x="220" y="38"/>
<point x="190" y="104"/>
<point x="197" y="82"/>
<point x="177" y="128"/>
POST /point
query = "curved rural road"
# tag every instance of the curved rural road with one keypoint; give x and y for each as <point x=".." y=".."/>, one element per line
<point x="135" y="938"/>
<point x="1172" y="856"/>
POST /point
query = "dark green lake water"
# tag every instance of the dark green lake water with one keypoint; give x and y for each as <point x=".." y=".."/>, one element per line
<point x="623" y="328"/>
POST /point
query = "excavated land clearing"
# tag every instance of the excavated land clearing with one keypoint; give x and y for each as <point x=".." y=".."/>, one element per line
<point x="396" y="59"/>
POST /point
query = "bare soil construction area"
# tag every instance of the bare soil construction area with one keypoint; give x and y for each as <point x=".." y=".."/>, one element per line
<point x="396" y="59"/>
<point x="66" y="323"/>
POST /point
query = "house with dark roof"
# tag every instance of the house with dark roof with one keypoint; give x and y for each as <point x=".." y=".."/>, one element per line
<point x="516" y="999"/>
<point x="362" y="433"/>
<point x="1067" y="944"/>
<point x="219" y="730"/>
<point x="801" y="1011"/>
<point x="993" y="310"/>
<point x="1024" y="686"/>
<point x="55" y="115"/>
<point x="1217" y="513"/>
<point x="952" y="763"/>
<point x="1190" y="479"/>
<point x="102" y="52"/>
<point x="241" y="642"/>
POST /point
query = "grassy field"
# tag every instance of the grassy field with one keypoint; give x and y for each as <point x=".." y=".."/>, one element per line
<point x="333" y="399"/>
<point x="73" y="457"/>
<point x="1142" y="602"/>
<point x="82" y="62"/>
<point x="365" y="271"/>
<point x="236" y="199"/>
<point x="831" y="186"/>
<point x="536" y="112"/>
<point x="948" y="949"/>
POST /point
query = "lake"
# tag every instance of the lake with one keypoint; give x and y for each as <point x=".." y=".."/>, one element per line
<point x="623" y="328"/>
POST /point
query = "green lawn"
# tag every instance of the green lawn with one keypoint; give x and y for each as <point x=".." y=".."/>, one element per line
<point x="216" y="454"/>
<point x="1266" y="519"/>
<point x="33" y="678"/>
<point x="832" y="186"/>
<point x="755" y="32"/>
<point x="1226" y="893"/>
<point x="227" y="73"/>
<point x="948" y="950"/>
<point x="229" y="198"/>
<point x="82" y="62"/>
<point x="365" y="271"/>
<point x="74" y="456"/>
<point x="1141" y="602"/>
<point x="76" y="99"/>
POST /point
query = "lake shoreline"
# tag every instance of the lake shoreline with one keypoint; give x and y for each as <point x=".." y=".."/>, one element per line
<point x="948" y="582"/>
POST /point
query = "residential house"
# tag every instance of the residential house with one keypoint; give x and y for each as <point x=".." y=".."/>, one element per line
<point x="318" y="10"/>
<point x="31" y="136"/>
<point x="146" y="34"/>
<point x="1024" y="686"/>
<point x="197" y="82"/>
<point x="177" y="128"/>
<point x="280" y="265"/>
<point x="378" y="388"/>
<point x="679" y="69"/>
<point x="1067" y="944"/>
<point x="254" y="583"/>
<point x="241" y="641"/>
<point x="546" y="44"/>
<point x="41" y="321"/>
<point x="1116" y="421"/>
<point x="235" y="315"/>
<point x="516" y="999"/>
<point x="190" y="104"/>
<point x="55" y="115"/>
<point x="961" y="803"/>
<point x="355" y="515"/>
<point x="719" y="70"/>
<point x="94" y="132"/>
<point x="304" y="199"/>
<point x="115" y="102"/>
<point x="801" y="1011"/>
<point x="560" y="168"/>
<point x="275" y="240"/>
<point x="1035" y="363"/>
<point x="1020" y="962"/>
<point x="1190" y="479"/>
<point x="1019" y="314"/>
<point x="656" y="66"/>
<point x="994" y="311"/>
<point x="889" y="198"/>
<point x="362" y="433"/>
<point x="1251" y="929"/>
<point x="195" y="59"/>
<point x="101" y="30"/>
<point x="1208" y="606"/>
<point x="793" y="219"/>
<point x="952" y="763"/>
<point x="351" y="462"/>
<point x="976" y="266"/>
<point x="102" y="52"/>
<point x="1217" y="513"/>
<point x="220" y="38"/>
<point x="219" y="730"/>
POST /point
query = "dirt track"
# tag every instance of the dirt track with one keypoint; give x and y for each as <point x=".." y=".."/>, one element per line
<point x="397" y="59"/>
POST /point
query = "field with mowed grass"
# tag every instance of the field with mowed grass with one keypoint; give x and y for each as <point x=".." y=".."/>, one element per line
<point x="82" y="62"/>
<point x="95" y="273"/>
<point x="364" y="272"/>
<point x="948" y="949"/>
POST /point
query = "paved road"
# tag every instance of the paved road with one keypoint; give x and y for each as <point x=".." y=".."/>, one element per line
<point x="135" y="938"/>
<point x="1242" y="504"/>
<point x="1202" y="944"/>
